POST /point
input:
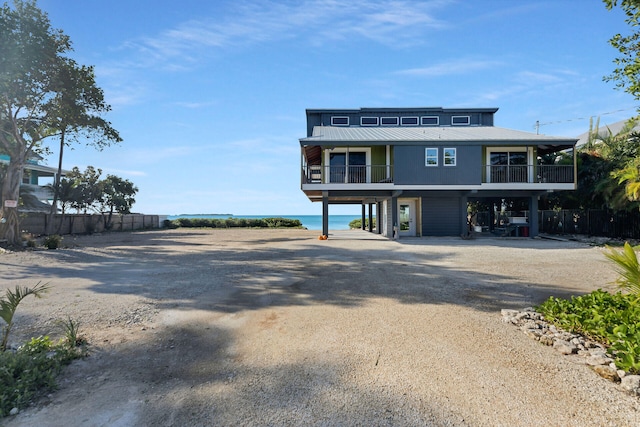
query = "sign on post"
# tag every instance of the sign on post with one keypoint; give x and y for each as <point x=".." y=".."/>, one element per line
<point x="10" y="203"/>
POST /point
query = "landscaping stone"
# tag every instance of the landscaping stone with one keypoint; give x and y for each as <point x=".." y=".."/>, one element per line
<point x="564" y="347"/>
<point x="607" y="372"/>
<point x="592" y="353"/>
<point x="631" y="384"/>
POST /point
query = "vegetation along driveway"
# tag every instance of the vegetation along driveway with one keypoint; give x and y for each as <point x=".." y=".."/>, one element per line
<point x="275" y="327"/>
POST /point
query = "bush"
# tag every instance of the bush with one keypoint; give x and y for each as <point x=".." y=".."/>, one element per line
<point x="357" y="223"/>
<point x="612" y="319"/>
<point x="275" y="222"/>
<point x="31" y="371"/>
<point x="52" y="242"/>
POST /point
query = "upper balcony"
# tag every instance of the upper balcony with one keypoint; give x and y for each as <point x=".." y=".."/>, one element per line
<point x="361" y="174"/>
<point x="495" y="175"/>
<point x="552" y="174"/>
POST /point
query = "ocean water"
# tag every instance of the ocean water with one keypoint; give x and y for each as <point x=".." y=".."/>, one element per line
<point x="311" y="222"/>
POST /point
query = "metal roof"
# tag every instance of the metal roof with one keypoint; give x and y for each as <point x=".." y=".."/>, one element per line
<point x="354" y="134"/>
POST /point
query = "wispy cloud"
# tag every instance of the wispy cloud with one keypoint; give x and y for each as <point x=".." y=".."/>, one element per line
<point x="194" y="105"/>
<point x="455" y="66"/>
<point x="314" y="21"/>
<point x="532" y="77"/>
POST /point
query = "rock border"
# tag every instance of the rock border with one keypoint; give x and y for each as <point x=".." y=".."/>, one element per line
<point x="594" y="354"/>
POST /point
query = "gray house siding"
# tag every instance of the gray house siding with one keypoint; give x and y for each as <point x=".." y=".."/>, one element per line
<point x="468" y="171"/>
<point x="476" y="116"/>
<point x="441" y="216"/>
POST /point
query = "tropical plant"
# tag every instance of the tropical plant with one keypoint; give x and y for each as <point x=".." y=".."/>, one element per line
<point x="627" y="267"/>
<point x="630" y="177"/>
<point x="9" y="304"/>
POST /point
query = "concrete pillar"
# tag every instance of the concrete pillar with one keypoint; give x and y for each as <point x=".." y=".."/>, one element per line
<point x="394" y="218"/>
<point x="463" y="210"/>
<point x="370" y="217"/>
<point x="533" y="216"/>
<point x="325" y="213"/>
<point x="379" y="217"/>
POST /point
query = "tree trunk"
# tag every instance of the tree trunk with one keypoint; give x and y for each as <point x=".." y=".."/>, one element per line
<point x="9" y="219"/>
<point x="56" y="190"/>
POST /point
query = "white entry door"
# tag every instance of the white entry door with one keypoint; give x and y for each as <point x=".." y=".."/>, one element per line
<point x="407" y="217"/>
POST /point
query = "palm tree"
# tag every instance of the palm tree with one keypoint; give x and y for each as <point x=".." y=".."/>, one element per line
<point x="9" y="304"/>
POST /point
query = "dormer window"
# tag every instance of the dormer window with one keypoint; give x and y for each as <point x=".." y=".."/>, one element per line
<point x="460" y="120"/>
<point x="368" y="121"/>
<point x="339" y="121"/>
<point x="430" y="121"/>
<point x="389" y="121"/>
<point x="409" y="121"/>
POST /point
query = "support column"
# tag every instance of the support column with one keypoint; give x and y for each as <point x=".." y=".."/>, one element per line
<point x="370" y="217"/>
<point x="379" y="217"/>
<point x="533" y="216"/>
<point x="325" y="213"/>
<point x="394" y="218"/>
<point x="362" y="223"/>
<point x="464" y="222"/>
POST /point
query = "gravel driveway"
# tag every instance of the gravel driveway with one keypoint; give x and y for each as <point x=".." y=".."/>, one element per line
<point x="274" y="327"/>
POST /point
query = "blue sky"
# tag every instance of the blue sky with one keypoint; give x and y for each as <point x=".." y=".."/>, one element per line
<point x="210" y="96"/>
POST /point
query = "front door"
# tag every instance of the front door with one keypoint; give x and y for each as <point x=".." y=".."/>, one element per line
<point x="407" y="217"/>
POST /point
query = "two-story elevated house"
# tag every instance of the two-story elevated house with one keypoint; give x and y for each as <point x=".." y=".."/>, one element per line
<point x="421" y="167"/>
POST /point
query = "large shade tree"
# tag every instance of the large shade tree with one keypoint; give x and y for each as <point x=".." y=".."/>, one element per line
<point x="44" y="95"/>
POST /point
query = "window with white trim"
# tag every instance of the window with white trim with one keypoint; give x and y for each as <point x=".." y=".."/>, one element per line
<point x="449" y="155"/>
<point x="409" y="121"/>
<point x="368" y="121"/>
<point x="431" y="157"/>
<point x="460" y="120"/>
<point x="430" y="120"/>
<point x="339" y="121"/>
<point x="389" y="121"/>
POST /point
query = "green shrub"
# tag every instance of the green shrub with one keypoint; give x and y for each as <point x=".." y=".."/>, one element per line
<point x="275" y="222"/>
<point x="52" y="242"/>
<point x="32" y="370"/>
<point x="612" y="319"/>
<point x="357" y="223"/>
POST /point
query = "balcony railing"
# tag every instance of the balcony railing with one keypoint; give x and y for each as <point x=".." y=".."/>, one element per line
<point x="365" y="174"/>
<point x="554" y="174"/>
<point x="369" y="174"/>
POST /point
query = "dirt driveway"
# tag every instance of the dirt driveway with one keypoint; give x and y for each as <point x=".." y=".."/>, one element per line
<point x="274" y="327"/>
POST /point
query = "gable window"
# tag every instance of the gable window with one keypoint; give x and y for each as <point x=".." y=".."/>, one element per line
<point x="340" y="121"/>
<point x="430" y="120"/>
<point x="431" y="157"/>
<point x="409" y="121"/>
<point x="389" y="121"/>
<point x="449" y="156"/>
<point x="368" y="121"/>
<point x="460" y="120"/>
